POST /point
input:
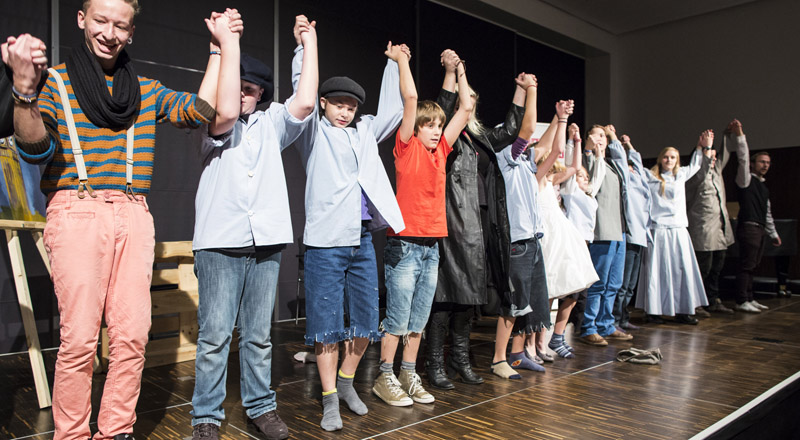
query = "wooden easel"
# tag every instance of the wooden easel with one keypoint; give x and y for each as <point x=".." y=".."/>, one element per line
<point x="12" y="228"/>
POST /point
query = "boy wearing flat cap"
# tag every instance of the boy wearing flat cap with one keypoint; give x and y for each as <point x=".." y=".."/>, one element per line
<point x="242" y="224"/>
<point x="348" y="195"/>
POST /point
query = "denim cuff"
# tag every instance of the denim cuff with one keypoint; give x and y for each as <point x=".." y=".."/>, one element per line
<point x="343" y="335"/>
<point x="211" y="420"/>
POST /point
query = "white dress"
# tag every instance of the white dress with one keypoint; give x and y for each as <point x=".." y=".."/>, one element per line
<point x="566" y="258"/>
<point x="669" y="281"/>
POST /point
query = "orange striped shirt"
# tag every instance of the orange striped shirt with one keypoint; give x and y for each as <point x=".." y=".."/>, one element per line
<point x="104" y="149"/>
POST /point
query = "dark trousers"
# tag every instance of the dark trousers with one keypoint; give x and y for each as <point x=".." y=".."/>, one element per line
<point x="751" y="248"/>
<point x="710" y="264"/>
<point x="633" y="260"/>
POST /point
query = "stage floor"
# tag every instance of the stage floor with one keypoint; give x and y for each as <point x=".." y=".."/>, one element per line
<point x="708" y="371"/>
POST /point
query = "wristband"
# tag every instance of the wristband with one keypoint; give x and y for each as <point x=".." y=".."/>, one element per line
<point x="706" y="148"/>
<point x="215" y="52"/>
<point x="21" y="98"/>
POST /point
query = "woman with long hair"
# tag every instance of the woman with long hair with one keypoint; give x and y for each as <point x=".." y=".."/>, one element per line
<point x="670" y="283"/>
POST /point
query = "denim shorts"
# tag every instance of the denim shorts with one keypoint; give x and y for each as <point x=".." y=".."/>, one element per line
<point x="411" y="266"/>
<point x="341" y="281"/>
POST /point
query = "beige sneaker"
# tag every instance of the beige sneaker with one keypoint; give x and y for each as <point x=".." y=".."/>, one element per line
<point x="388" y="389"/>
<point x="412" y="384"/>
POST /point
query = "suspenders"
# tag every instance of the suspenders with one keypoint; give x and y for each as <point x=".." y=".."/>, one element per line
<point x="77" y="153"/>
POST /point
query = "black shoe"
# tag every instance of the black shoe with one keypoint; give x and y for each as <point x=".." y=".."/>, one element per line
<point x="123" y="437"/>
<point x="434" y="351"/>
<point x="205" y="431"/>
<point x="685" y="319"/>
<point x="458" y="364"/>
<point x="271" y="426"/>
<point x="653" y="319"/>
<point x="783" y="293"/>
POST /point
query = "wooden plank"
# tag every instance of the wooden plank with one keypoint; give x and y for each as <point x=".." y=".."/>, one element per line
<point x="14" y="225"/>
<point x="166" y="250"/>
<point x="28" y="319"/>
<point x="188" y="281"/>
<point x="164" y="324"/>
<point x="165" y="276"/>
<point x="174" y="301"/>
<point x="173" y="356"/>
<point x="188" y="327"/>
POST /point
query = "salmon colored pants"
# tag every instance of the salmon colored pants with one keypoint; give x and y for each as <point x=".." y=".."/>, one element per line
<point x="101" y="259"/>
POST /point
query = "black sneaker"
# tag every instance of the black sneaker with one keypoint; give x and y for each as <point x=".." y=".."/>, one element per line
<point x="271" y="426"/>
<point x="208" y="431"/>
<point x="123" y="437"/>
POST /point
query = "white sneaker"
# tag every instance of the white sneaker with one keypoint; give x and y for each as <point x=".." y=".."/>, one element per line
<point x="747" y="307"/>
<point x="759" y="305"/>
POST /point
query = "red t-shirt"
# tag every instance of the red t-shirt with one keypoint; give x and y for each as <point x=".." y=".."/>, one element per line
<point x="420" y="187"/>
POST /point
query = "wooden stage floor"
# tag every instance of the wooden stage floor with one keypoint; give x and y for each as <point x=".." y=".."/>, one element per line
<point x="708" y="372"/>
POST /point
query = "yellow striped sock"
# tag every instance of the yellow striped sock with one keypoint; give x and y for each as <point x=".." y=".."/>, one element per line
<point x="328" y="393"/>
<point x="346" y="376"/>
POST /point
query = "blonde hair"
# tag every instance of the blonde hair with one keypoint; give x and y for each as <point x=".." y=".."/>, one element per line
<point x="557" y="167"/>
<point x="656" y="170"/>
<point x="474" y="124"/>
<point x="428" y="111"/>
<point x="132" y="3"/>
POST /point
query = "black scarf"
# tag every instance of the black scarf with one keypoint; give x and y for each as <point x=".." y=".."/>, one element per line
<point x="116" y="110"/>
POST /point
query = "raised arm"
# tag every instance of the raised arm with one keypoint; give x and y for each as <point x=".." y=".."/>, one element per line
<point x="221" y="86"/>
<point x="390" y="103"/>
<point x="25" y="55"/>
<point x="305" y="99"/>
<point x="545" y="143"/>
<point x="563" y="109"/>
<point x="742" y="154"/>
<point x="701" y="156"/>
<point x="560" y="141"/>
<point x="450" y="61"/>
<point x="461" y="116"/>
<point x="402" y="55"/>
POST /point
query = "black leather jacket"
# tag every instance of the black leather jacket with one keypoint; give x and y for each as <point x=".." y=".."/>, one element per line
<point x="473" y="237"/>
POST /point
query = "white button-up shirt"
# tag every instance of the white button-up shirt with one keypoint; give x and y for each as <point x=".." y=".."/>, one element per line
<point x="340" y="162"/>
<point x="242" y="198"/>
<point x="669" y="210"/>
<point x="522" y="194"/>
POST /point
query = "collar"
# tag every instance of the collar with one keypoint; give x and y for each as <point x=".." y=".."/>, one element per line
<point x="758" y="177"/>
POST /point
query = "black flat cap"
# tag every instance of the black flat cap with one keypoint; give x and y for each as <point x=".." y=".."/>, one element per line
<point x="256" y="72"/>
<point x="342" y="86"/>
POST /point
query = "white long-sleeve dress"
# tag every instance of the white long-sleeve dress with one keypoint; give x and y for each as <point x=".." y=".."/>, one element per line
<point x="670" y="282"/>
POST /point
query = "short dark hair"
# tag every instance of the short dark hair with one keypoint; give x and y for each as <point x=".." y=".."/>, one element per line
<point x="759" y="153"/>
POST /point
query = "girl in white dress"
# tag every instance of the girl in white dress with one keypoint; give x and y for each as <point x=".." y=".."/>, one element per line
<point x="670" y="283"/>
<point x="567" y="261"/>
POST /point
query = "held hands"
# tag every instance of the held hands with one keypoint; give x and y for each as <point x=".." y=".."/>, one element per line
<point x="396" y="52"/>
<point x="527" y="81"/>
<point x="735" y="127"/>
<point x="304" y="31"/>
<point x="26" y="55"/>
<point x="706" y="139"/>
<point x="574" y="133"/>
<point x="611" y="132"/>
<point x="449" y="59"/>
<point x="564" y="108"/>
<point x="224" y="27"/>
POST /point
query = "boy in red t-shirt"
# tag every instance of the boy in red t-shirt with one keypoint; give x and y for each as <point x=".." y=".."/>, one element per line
<point x="411" y="257"/>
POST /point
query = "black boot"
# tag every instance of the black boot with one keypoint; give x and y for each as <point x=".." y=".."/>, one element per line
<point x="458" y="364"/>
<point x="434" y="362"/>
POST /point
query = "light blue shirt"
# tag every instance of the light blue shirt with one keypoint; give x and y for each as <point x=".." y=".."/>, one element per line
<point x="242" y="198"/>
<point x="640" y="202"/>
<point x="340" y="162"/>
<point x="669" y="210"/>
<point x="522" y="193"/>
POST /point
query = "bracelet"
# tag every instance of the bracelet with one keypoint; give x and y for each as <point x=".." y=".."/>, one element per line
<point x="706" y="148"/>
<point x="21" y="98"/>
<point x="215" y="52"/>
<point x="562" y="120"/>
<point x="530" y="85"/>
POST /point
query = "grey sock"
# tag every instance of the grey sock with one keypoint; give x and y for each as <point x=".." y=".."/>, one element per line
<point x="344" y="387"/>
<point x="386" y="367"/>
<point x="408" y="366"/>
<point x="331" y="420"/>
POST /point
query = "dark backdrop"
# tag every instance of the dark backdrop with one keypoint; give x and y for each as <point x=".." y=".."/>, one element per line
<point x="171" y="44"/>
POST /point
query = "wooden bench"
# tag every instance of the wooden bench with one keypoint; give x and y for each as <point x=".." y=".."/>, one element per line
<point x="173" y="335"/>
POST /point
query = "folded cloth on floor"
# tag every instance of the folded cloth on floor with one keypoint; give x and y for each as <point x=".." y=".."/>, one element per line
<point x="638" y="356"/>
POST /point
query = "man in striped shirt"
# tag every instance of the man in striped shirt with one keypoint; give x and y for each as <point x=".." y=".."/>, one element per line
<point x="93" y="126"/>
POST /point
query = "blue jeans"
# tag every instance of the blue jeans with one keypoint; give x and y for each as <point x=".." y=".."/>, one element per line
<point x="411" y="272"/>
<point x="609" y="262"/>
<point x="234" y="290"/>
<point x="633" y="259"/>
<point x="338" y="281"/>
